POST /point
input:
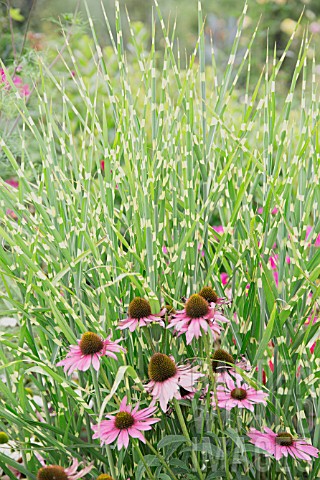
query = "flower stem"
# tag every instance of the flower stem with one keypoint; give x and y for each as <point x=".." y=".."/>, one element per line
<point x="223" y="439"/>
<point x="95" y="377"/>
<point x="214" y="385"/>
<point x="186" y="434"/>
<point x="150" y="474"/>
<point x="149" y="339"/>
<point x="161" y="460"/>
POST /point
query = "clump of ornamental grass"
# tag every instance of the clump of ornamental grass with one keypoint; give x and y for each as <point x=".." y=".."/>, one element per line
<point x="138" y="154"/>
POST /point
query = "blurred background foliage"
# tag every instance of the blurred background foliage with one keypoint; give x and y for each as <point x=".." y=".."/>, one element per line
<point x="30" y="28"/>
<point x="277" y="21"/>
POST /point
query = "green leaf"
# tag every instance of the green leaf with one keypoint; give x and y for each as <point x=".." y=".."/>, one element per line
<point x="266" y="336"/>
<point x="16" y="15"/>
<point x="169" y="439"/>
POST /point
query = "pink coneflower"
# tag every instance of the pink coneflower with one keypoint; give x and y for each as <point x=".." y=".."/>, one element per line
<point x="223" y="364"/>
<point x="196" y="316"/>
<point x="211" y="296"/>
<point x="55" y="472"/>
<point x="139" y="314"/>
<point x="282" y="444"/>
<point x="234" y="393"/>
<point x="88" y="352"/>
<point x="127" y="423"/>
<point x="166" y="379"/>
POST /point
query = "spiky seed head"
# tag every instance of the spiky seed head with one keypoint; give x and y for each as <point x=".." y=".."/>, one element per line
<point x="53" y="472"/>
<point x="90" y="343"/>
<point x="284" y="439"/>
<point x="124" y="420"/>
<point x="196" y="306"/>
<point x="161" y="367"/>
<point x="239" y="393"/>
<point x="139" y="308"/>
<point x="209" y="294"/>
<point x="221" y="360"/>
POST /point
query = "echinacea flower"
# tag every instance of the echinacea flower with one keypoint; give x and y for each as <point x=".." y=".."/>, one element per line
<point x="211" y="296"/>
<point x="166" y="379"/>
<point x="139" y="314"/>
<point x="223" y="364"/>
<point x="126" y="423"/>
<point x="88" y="352"/>
<point x="234" y="393"/>
<point x="104" y="476"/>
<point x="55" y="472"/>
<point x="282" y="444"/>
<point x="197" y="315"/>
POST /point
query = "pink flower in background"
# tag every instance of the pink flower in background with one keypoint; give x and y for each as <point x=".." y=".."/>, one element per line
<point x="14" y="183"/>
<point x="167" y="378"/>
<point x="197" y="316"/>
<point x="271" y="365"/>
<point x="25" y="90"/>
<point x="276" y="277"/>
<point x="224" y="278"/>
<point x="219" y="229"/>
<point x="164" y="250"/>
<point x="234" y="393"/>
<point x="313" y="346"/>
<point x="139" y="315"/>
<point x="200" y="249"/>
<point x="274" y="211"/>
<point x="125" y="424"/>
<point x="282" y="444"/>
<point x="102" y="165"/>
<point x="314" y="27"/>
<point x="273" y="261"/>
<point x="18" y="83"/>
<point x="55" y="471"/>
<point x="308" y="232"/>
<point x="88" y="352"/>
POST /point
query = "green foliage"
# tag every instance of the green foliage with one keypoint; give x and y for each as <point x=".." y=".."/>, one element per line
<point x="183" y="151"/>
